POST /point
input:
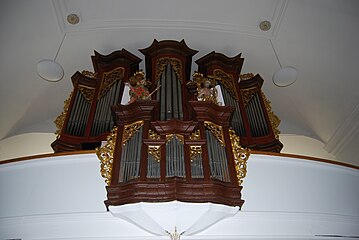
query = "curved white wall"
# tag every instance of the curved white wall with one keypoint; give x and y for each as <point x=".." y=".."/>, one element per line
<point x="306" y="146"/>
<point x="287" y="198"/>
<point x="26" y="144"/>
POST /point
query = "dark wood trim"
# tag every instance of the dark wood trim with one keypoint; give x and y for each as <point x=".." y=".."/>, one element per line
<point x="254" y="152"/>
<point x="306" y="158"/>
<point x="46" y="155"/>
<point x="174" y="189"/>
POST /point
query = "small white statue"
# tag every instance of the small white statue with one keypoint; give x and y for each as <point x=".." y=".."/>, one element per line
<point x="175" y="235"/>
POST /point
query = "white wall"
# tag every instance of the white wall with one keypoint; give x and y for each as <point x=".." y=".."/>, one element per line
<point x="302" y="145"/>
<point x="26" y="145"/>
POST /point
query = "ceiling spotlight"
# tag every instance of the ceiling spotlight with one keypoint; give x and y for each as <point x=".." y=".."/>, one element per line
<point x="284" y="76"/>
<point x="73" y="19"/>
<point x="49" y="69"/>
<point x="265" y="25"/>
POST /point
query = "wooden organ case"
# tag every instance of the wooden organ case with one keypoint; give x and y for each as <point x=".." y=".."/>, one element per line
<point x="177" y="141"/>
<point x="87" y="116"/>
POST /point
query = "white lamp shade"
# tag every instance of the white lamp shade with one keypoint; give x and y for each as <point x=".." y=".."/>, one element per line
<point x="285" y="76"/>
<point x="50" y="70"/>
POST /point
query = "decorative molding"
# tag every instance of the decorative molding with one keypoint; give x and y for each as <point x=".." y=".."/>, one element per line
<point x="130" y="130"/>
<point x="216" y="130"/>
<point x="344" y="133"/>
<point x="105" y="154"/>
<point x="162" y="64"/>
<point x="273" y="118"/>
<point x="109" y="78"/>
<point x="275" y="17"/>
<point x="60" y="120"/>
<point x="240" y="155"/>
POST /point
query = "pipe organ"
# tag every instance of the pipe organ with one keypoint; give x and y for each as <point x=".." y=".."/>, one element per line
<point x="177" y="138"/>
<point x="87" y="117"/>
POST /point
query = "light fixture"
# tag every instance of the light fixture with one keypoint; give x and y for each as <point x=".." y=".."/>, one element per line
<point x="49" y="69"/>
<point x="284" y="76"/>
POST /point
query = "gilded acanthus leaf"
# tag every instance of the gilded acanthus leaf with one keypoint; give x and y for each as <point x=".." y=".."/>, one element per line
<point x="105" y="154"/>
<point x="60" y="120"/>
<point x="274" y="120"/>
<point x="216" y="130"/>
<point x="241" y="156"/>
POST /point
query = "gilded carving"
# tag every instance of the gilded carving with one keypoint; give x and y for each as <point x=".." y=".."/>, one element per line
<point x="178" y="136"/>
<point x="196" y="135"/>
<point x="89" y="74"/>
<point x="162" y="64"/>
<point x="274" y="120"/>
<point x="87" y="92"/>
<point x="248" y="94"/>
<point x="206" y="90"/>
<point x="226" y="80"/>
<point x="130" y="130"/>
<point x="155" y="152"/>
<point x="109" y="78"/>
<point x="216" y="130"/>
<point x="105" y="154"/>
<point x="246" y="76"/>
<point x="195" y="151"/>
<point x="60" y="120"/>
<point x="241" y="156"/>
<point x="153" y="135"/>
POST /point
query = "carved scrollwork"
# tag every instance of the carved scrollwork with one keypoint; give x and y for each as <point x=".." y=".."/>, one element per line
<point x="226" y="80"/>
<point x="274" y="119"/>
<point x="87" y="92"/>
<point x="153" y="135"/>
<point x="216" y="130"/>
<point x="163" y="62"/>
<point x="109" y="78"/>
<point x="246" y="76"/>
<point x="105" y="154"/>
<point x="178" y="136"/>
<point x="195" y="151"/>
<point x="248" y="94"/>
<point x="155" y="152"/>
<point x="241" y="156"/>
<point x="130" y="130"/>
<point x="89" y="74"/>
<point x="60" y="120"/>
<point x="196" y="135"/>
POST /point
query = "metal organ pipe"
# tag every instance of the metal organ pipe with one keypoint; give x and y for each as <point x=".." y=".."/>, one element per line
<point x="217" y="158"/>
<point x="237" y="121"/>
<point x="131" y="157"/>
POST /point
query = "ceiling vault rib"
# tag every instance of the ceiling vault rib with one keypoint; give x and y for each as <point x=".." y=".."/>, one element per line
<point x="344" y="133"/>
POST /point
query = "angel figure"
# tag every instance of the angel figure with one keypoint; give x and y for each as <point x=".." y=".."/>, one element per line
<point x="138" y="87"/>
<point x="205" y="88"/>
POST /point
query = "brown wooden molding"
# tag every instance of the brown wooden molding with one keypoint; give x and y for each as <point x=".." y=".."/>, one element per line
<point x="174" y="189"/>
<point x="46" y="155"/>
<point x="303" y="157"/>
<point x="253" y="152"/>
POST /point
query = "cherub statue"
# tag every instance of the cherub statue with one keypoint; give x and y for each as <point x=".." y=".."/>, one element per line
<point x="205" y="88"/>
<point x="138" y="87"/>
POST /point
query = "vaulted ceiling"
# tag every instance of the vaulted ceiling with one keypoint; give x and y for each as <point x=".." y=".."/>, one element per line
<point x="319" y="38"/>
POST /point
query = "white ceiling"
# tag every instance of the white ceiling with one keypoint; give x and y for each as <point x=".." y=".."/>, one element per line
<point x="320" y="38"/>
